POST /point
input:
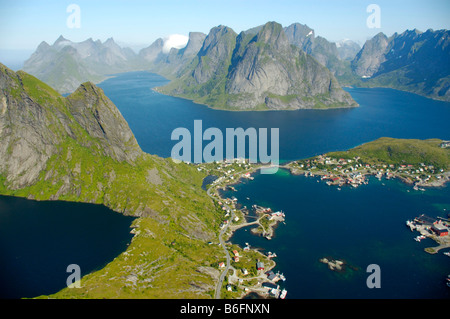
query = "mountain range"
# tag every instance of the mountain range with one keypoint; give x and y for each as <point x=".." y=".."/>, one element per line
<point x="413" y="61"/>
<point x="265" y="67"/>
<point x="257" y="69"/>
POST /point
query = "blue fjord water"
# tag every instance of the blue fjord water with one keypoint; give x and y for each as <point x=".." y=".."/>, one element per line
<point x="39" y="240"/>
<point x="303" y="133"/>
<point x="362" y="226"/>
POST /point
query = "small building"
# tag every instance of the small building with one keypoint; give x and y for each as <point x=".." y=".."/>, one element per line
<point x="260" y="266"/>
<point x="236" y="253"/>
<point x="269" y="285"/>
<point x="271" y="276"/>
<point x="439" y="229"/>
<point x="236" y="259"/>
<point x="221" y="265"/>
<point x="445" y="144"/>
<point x="426" y="220"/>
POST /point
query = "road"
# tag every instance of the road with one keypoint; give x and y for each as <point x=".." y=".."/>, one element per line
<point x="222" y="243"/>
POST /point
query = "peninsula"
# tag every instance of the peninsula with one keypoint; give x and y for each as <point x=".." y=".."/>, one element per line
<point x="421" y="163"/>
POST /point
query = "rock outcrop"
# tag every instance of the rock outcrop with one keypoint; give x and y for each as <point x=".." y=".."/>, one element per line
<point x="35" y="120"/>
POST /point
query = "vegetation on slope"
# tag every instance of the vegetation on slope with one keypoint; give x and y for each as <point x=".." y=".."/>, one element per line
<point x="399" y="152"/>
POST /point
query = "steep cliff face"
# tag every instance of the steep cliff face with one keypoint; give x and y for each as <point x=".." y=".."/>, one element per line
<point x="279" y="75"/>
<point x="215" y="55"/>
<point x="325" y="52"/>
<point x="174" y="63"/>
<point x="412" y="61"/>
<point x="369" y="59"/>
<point x="257" y="69"/>
<point x="102" y="120"/>
<point x="35" y="120"/>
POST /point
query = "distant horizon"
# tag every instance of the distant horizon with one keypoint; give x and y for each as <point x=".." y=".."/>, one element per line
<point x="25" y="24"/>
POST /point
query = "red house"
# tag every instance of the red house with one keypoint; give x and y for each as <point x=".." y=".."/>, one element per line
<point x="439" y="229"/>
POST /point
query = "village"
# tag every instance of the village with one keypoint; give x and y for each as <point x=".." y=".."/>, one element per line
<point x="250" y="277"/>
<point x="353" y="172"/>
<point x="249" y="270"/>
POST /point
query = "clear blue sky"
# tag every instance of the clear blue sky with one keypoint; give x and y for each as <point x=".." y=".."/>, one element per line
<point x="24" y="24"/>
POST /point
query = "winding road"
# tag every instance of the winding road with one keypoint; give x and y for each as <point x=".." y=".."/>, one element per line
<point x="222" y="243"/>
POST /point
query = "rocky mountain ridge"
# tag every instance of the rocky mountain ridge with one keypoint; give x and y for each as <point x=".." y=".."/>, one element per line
<point x="259" y="70"/>
<point x="413" y="61"/>
<point x="35" y="119"/>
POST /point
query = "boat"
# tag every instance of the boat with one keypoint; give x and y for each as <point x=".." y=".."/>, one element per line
<point x="447" y="253"/>
<point x="271" y="255"/>
<point x="284" y="293"/>
<point x="281" y="276"/>
<point x="410" y="224"/>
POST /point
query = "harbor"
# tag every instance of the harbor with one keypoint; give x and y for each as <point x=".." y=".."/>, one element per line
<point x="243" y="219"/>
<point x="245" y="270"/>
<point x="353" y="172"/>
<point x="435" y="229"/>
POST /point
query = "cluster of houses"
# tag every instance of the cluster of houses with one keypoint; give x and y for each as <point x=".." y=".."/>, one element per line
<point x="445" y="144"/>
<point x="352" y="172"/>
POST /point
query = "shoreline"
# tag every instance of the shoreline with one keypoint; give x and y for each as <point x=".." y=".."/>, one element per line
<point x="156" y="89"/>
<point x="228" y="180"/>
<point x="243" y="222"/>
<point x="406" y="180"/>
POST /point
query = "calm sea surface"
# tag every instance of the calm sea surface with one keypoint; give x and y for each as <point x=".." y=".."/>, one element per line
<point x="303" y="133"/>
<point x="362" y="226"/>
<point x="38" y="240"/>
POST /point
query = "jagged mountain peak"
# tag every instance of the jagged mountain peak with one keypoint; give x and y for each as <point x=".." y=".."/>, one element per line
<point x="35" y="119"/>
<point x="272" y="33"/>
<point x="257" y="69"/>
<point x="61" y="41"/>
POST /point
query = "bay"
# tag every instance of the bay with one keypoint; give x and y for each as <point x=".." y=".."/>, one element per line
<point x="361" y="226"/>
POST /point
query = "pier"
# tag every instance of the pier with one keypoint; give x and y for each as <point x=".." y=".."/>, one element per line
<point x="433" y="228"/>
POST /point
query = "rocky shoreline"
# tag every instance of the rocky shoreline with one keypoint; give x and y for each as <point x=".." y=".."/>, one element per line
<point x="343" y="177"/>
<point x="266" y="222"/>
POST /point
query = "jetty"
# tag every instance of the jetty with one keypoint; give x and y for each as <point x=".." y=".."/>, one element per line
<point x="432" y="228"/>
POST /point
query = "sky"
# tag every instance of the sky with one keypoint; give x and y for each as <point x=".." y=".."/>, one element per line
<point x="137" y="23"/>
